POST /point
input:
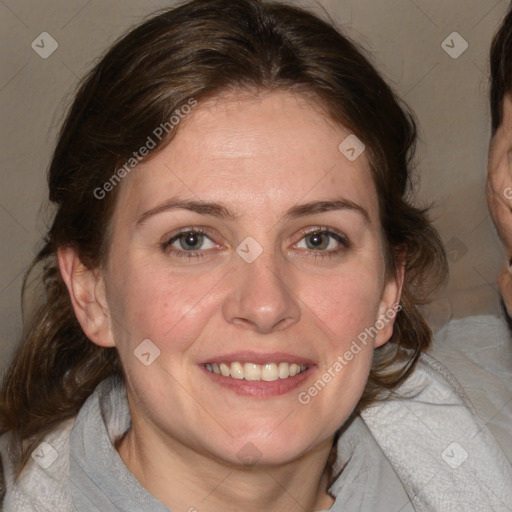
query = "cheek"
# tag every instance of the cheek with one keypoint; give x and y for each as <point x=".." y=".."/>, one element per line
<point x="148" y="302"/>
<point x="345" y="304"/>
<point x="343" y="307"/>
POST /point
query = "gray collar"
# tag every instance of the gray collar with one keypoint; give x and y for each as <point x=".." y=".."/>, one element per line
<point x="99" y="480"/>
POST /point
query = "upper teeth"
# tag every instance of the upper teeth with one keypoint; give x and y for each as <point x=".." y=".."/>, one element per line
<point x="251" y="371"/>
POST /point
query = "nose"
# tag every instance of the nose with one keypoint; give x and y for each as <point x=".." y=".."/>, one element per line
<point x="261" y="297"/>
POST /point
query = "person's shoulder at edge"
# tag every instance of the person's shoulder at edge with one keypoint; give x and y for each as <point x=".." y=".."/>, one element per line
<point x="477" y="350"/>
<point x="427" y="427"/>
<point x="43" y="484"/>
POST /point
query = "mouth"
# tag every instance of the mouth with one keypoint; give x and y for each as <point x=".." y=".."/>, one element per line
<point x="258" y="375"/>
<point x="254" y="372"/>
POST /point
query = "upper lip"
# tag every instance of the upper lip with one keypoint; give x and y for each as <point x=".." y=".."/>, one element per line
<point x="259" y="358"/>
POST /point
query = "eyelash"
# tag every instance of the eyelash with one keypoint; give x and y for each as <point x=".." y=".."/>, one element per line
<point x="339" y="237"/>
<point x="183" y="254"/>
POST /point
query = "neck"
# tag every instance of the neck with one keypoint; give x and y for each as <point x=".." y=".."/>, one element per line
<point x="185" y="479"/>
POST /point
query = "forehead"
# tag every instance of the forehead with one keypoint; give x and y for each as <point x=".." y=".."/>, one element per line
<point x="265" y="151"/>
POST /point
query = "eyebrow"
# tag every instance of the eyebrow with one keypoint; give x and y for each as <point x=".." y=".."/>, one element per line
<point x="221" y="211"/>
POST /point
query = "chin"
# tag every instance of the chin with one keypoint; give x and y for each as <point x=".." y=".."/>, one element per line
<point x="253" y="451"/>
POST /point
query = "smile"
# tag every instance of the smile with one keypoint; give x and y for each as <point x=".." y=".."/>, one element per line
<point x="256" y="372"/>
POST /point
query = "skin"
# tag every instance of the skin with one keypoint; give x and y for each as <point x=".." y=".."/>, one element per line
<point x="259" y="156"/>
<point x="499" y="194"/>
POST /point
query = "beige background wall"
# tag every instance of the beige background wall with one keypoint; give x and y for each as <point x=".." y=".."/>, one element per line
<point x="403" y="37"/>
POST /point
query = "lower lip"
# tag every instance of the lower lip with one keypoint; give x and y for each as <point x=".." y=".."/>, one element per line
<point x="260" y="388"/>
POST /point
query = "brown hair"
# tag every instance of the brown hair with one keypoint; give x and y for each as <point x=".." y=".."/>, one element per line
<point x="501" y="69"/>
<point x="198" y="50"/>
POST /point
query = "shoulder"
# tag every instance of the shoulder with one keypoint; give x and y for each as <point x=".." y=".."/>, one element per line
<point x="477" y="350"/>
<point x="43" y="484"/>
<point x="46" y="482"/>
<point x="437" y="440"/>
<point x="476" y="332"/>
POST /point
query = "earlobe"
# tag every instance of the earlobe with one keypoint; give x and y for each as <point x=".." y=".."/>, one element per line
<point x="86" y="289"/>
<point x="390" y="305"/>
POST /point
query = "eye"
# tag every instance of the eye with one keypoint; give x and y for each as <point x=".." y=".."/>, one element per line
<point x="189" y="243"/>
<point x="324" y="241"/>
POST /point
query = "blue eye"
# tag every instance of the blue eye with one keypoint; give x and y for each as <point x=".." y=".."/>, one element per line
<point x="323" y="242"/>
<point x="188" y="243"/>
<point x="318" y="242"/>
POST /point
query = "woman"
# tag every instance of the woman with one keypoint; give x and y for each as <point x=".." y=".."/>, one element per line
<point x="231" y="287"/>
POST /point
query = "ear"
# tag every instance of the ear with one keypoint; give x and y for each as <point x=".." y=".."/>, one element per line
<point x="390" y="303"/>
<point x="87" y="292"/>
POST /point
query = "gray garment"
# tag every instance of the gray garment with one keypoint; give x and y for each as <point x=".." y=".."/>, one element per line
<point x="478" y="352"/>
<point x="102" y="482"/>
<point x="366" y="480"/>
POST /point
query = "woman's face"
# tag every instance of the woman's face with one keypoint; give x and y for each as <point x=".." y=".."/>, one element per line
<point x="251" y="244"/>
